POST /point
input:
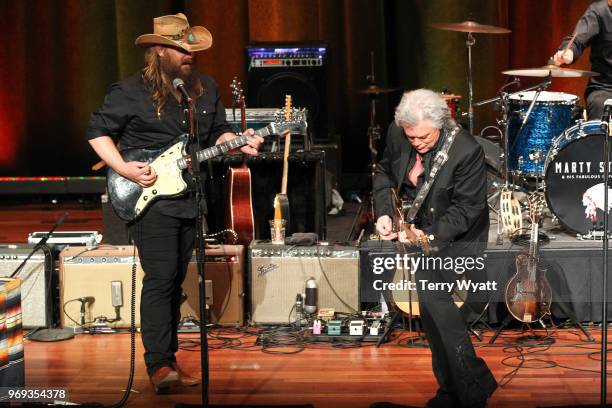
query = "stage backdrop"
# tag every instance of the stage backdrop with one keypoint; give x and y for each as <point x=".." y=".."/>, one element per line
<point x="60" y="56"/>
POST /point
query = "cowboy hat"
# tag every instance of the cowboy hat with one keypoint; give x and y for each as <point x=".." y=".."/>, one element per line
<point x="174" y="31"/>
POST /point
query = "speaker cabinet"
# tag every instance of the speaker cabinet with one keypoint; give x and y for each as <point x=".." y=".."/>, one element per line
<point x="278" y="273"/>
<point x="224" y="268"/>
<point x="297" y="69"/>
<point x="90" y="272"/>
<point x="36" y="303"/>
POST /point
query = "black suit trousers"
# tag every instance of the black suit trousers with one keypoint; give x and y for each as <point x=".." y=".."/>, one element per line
<point x="455" y="365"/>
<point x="165" y="246"/>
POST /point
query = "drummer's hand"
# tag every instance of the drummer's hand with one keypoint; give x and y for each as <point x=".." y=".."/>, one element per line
<point x="563" y="57"/>
<point x="384" y="227"/>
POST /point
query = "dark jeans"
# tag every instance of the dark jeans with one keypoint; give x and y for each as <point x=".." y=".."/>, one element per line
<point x="165" y="246"/>
<point x="455" y="365"/>
<point x="595" y="101"/>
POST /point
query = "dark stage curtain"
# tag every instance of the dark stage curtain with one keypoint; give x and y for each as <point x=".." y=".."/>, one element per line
<point x="60" y="56"/>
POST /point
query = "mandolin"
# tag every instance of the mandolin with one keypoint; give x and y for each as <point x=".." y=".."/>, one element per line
<point x="281" y="201"/>
<point x="528" y="294"/>
<point x="239" y="210"/>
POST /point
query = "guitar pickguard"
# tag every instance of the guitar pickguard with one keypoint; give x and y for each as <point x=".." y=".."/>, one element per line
<point x="169" y="180"/>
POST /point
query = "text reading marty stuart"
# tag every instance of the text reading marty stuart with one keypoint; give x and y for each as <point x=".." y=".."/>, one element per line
<point x="412" y="264"/>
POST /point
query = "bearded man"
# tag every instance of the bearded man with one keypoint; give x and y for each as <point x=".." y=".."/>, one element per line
<point x="145" y="111"/>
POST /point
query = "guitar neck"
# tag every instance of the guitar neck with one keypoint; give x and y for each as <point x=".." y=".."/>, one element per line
<point x="286" y="162"/>
<point x="235" y="143"/>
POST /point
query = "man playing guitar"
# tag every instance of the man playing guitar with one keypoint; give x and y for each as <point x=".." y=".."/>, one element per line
<point x="145" y="112"/>
<point x="453" y="217"/>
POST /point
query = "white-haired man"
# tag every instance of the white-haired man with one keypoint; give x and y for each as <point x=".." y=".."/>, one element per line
<point x="455" y="215"/>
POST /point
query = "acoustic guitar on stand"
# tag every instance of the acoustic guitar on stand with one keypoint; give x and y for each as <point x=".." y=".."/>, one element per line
<point x="239" y="213"/>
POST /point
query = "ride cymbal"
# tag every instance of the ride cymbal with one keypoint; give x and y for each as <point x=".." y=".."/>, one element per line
<point x="375" y="90"/>
<point x="550" y="70"/>
<point x="471" y="27"/>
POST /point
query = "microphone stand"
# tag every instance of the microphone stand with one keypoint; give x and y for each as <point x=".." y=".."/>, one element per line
<point x="193" y="146"/>
<point x="604" y="313"/>
<point x="51" y="333"/>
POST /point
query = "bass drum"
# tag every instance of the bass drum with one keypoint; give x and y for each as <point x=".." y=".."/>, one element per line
<point x="574" y="177"/>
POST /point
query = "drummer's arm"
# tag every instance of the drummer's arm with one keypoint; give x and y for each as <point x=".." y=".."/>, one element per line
<point x="586" y="28"/>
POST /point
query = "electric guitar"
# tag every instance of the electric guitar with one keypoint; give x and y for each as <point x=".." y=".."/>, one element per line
<point x="528" y="294"/>
<point x="239" y="210"/>
<point x="281" y="201"/>
<point x="130" y="200"/>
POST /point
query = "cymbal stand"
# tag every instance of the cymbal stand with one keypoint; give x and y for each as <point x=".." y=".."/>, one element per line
<point x="365" y="215"/>
<point x="469" y="43"/>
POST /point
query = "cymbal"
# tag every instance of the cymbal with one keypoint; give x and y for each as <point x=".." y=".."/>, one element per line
<point x="375" y="90"/>
<point x="550" y="70"/>
<point x="471" y="27"/>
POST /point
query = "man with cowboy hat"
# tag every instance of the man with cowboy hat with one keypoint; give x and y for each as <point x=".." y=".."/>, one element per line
<point x="144" y="111"/>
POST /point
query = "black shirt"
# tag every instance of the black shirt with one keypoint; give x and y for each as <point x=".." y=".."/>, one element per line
<point x="129" y="117"/>
<point x="595" y="29"/>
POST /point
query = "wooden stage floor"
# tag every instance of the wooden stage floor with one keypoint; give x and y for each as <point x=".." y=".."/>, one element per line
<point x="95" y="368"/>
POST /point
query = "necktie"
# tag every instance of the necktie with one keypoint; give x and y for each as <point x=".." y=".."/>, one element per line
<point x="416" y="170"/>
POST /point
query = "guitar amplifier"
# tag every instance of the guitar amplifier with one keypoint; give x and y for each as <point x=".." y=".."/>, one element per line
<point x="224" y="268"/>
<point x="260" y="117"/>
<point x="91" y="271"/>
<point x="36" y="299"/>
<point x="277" y="273"/>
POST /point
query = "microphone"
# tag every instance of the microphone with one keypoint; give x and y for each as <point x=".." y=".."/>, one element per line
<point x="298" y="310"/>
<point x="179" y="85"/>
<point x="310" y="304"/>
<point x="605" y="118"/>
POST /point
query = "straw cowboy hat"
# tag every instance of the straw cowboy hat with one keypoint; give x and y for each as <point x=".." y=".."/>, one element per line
<point x="174" y="31"/>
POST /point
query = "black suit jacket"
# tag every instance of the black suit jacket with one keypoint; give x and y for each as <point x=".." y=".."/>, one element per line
<point x="455" y="210"/>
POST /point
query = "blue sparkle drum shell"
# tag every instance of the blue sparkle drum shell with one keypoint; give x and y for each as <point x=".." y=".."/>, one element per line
<point x="552" y="113"/>
<point x="574" y="177"/>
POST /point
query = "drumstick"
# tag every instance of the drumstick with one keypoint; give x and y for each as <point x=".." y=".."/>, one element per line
<point x="98" y="165"/>
<point x="569" y="44"/>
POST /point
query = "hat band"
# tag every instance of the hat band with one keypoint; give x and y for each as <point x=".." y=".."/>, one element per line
<point x="186" y="35"/>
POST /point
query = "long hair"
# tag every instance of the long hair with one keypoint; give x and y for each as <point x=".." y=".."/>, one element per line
<point x="154" y="80"/>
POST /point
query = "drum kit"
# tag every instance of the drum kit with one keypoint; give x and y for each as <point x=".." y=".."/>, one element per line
<point x="546" y="146"/>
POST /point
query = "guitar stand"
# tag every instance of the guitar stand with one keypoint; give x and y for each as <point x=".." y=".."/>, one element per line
<point x="570" y="316"/>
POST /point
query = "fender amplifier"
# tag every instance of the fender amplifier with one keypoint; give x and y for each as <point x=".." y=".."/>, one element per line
<point x="278" y="273"/>
<point x="224" y="268"/>
<point x="35" y="275"/>
<point x="94" y="271"/>
<point x="104" y="273"/>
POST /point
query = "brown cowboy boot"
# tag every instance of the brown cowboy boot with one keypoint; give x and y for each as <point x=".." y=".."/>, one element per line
<point x="163" y="379"/>
<point x="186" y="379"/>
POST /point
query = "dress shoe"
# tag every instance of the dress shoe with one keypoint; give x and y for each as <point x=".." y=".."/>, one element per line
<point x="443" y="399"/>
<point x="163" y="379"/>
<point x="186" y="379"/>
<point x="387" y="405"/>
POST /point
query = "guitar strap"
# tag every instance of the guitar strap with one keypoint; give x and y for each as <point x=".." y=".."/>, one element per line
<point x="438" y="162"/>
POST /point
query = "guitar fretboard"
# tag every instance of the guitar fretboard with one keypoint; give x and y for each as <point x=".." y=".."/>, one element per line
<point x="235" y="143"/>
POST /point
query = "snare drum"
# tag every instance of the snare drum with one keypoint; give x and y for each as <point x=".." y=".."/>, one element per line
<point x="574" y="177"/>
<point x="552" y="113"/>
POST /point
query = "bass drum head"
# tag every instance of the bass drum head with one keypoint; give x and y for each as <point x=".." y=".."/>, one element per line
<point x="574" y="184"/>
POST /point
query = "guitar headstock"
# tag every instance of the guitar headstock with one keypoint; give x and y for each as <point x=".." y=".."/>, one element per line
<point x="536" y="206"/>
<point x="237" y="92"/>
<point x="289" y="118"/>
